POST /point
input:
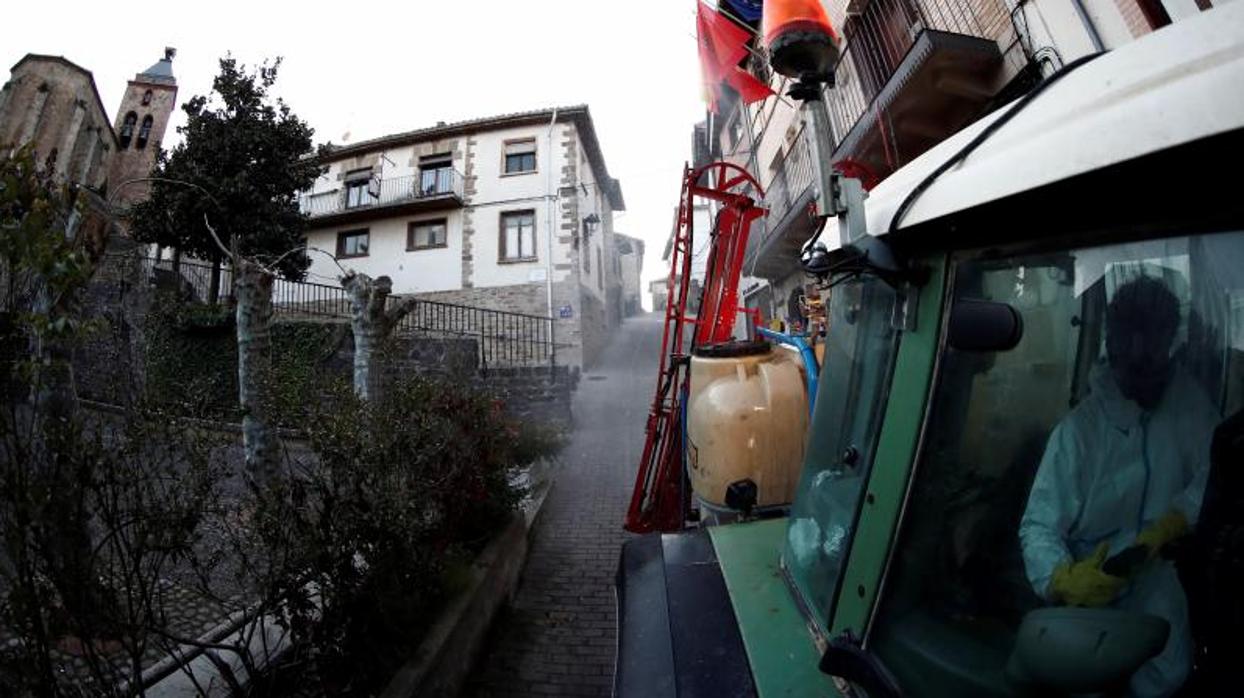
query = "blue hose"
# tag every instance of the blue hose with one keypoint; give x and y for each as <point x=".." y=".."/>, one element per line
<point x="809" y="360"/>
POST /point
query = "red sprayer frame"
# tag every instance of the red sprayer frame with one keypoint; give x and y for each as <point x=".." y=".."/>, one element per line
<point x="660" y="501"/>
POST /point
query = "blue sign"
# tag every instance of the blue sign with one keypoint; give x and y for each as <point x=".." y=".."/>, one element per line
<point x="565" y="312"/>
<point x="746" y="10"/>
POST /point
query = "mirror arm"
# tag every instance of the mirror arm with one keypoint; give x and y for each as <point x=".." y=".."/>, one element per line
<point x="846" y="659"/>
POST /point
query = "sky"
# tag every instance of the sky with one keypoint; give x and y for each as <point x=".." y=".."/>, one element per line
<point x="378" y="67"/>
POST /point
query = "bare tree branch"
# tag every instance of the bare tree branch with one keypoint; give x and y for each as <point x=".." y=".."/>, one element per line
<point x="401" y="310"/>
<point x="216" y="237"/>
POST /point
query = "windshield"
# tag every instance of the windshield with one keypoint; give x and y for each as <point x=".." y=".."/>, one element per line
<point x="1063" y="473"/>
<point x="859" y="358"/>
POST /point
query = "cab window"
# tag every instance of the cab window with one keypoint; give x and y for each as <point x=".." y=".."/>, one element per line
<point x="859" y="356"/>
<point x="1059" y="459"/>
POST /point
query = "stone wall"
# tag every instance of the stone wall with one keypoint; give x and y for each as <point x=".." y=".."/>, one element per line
<point x="107" y="361"/>
<point x="533" y="394"/>
<point x="52" y="104"/>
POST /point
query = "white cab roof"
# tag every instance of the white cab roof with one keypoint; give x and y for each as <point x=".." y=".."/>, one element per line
<point x="1177" y="85"/>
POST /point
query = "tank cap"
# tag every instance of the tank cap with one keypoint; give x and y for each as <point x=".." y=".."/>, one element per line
<point x="733" y="349"/>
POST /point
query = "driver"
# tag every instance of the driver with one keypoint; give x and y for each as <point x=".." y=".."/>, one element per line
<point x="1125" y="468"/>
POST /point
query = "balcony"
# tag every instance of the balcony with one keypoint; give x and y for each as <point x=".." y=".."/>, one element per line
<point x="430" y="190"/>
<point x="774" y="242"/>
<point x="912" y="73"/>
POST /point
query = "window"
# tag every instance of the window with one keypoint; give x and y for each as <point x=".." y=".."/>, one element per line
<point x="436" y="175"/>
<point x="1036" y="455"/>
<point x="353" y="243"/>
<point x="144" y="132"/>
<point x="127" y="129"/>
<point x="861" y="346"/>
<point x="518" y="236"/>
<point x="422" y="235"/>
<point x="359" y="188"/>
<point x="147" y="98"/>
<point x="520" y="156"/>
<point x="587" y="258"/>
<point x="600" y="271"/>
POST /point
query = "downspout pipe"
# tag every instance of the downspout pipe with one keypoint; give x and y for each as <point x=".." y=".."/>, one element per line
<point x="550" y="214"/>
<point x="1089" y="27"/>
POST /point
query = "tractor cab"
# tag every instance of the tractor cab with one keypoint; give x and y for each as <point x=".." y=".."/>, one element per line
<point x="1034" y="360"/>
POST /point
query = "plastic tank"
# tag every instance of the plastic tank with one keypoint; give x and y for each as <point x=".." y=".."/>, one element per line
<point x="747" y="416"/>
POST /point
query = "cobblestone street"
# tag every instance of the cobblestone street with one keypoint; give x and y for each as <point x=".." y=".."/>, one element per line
<point x="557" y="638"/>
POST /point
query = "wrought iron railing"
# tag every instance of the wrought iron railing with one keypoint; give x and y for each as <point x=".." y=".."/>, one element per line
<point x="504" y="338"/>
<point x="794" y="174"/>
<point x="878" y="38"/>
<point x="430" y="184"/>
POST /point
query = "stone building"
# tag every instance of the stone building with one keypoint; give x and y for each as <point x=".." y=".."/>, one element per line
<point x="511" y="212"/>
<point x="659" y="290"/>
<point x="53" y="104"/>
<point x="630" y="258"/>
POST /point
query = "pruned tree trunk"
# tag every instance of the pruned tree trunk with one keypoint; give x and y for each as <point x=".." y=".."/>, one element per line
<point x="55" y="393"/>
<point x="253" y="286"/>
<point x="372" y="326"/>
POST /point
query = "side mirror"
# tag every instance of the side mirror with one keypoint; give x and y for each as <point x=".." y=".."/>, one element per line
<point x="1083" y="650"/>
<point x="984" y="326"/>
<point x="845" y="659"/>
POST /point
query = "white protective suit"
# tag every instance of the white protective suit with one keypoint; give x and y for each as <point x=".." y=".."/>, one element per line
<point x="1109" y="470"/>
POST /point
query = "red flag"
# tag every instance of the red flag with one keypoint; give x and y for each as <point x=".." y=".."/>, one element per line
<point x="721" y="48"/>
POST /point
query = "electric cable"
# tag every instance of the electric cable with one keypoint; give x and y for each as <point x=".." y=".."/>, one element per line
<point x="981" y="137"/>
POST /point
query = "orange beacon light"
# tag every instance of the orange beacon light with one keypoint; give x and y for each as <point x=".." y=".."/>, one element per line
<point x="802" y="43"/>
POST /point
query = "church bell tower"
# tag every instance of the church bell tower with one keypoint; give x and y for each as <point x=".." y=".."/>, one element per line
<point x="140" y="123"/>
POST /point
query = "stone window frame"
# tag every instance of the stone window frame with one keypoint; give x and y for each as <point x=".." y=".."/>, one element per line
<point x="127" y="129"/>
<point x="354" y="232"/>
<point x="147" y="98"/>
<point x="535" y="156"/>
<point x="501" y="251"/>
<point x="144" y="132"/>
<point x="410" y="234"/>
<point x="433" y="164"/>
<point x="357" y="179"/>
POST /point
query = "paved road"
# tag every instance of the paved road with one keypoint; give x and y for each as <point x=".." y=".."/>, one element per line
<point x="558" y="636"/>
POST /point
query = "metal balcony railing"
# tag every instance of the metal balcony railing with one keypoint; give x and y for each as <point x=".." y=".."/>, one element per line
<point x="793" y="177"/>
<point x="503" y="338"/>
<point x="794" y="174"/>
<point x="878" y="38"/>
<point x="426" y="185"/>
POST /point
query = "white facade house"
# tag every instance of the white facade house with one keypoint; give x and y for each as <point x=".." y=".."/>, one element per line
<point x="630" y="256"/>
<point x="511" y="213"/>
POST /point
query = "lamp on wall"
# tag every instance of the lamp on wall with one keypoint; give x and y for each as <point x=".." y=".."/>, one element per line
<point x="589" y="224"/>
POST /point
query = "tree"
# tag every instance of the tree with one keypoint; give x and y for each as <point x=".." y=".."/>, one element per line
<point x="249" y="152"/>
<point x="239" y="170"/>
<point x="51" y="236"/>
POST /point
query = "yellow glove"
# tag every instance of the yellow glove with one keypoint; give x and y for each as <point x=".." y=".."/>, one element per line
<point x="1172" y="525"/>
<point x="1084" y="583"/>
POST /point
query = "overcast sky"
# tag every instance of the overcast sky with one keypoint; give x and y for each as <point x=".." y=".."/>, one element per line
<point x="377" y="67"/>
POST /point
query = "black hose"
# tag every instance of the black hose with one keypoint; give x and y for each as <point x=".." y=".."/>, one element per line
<point x="981" y="137"/>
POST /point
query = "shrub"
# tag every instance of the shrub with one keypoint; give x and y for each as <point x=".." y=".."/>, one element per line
<point x="395" y="496"/>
